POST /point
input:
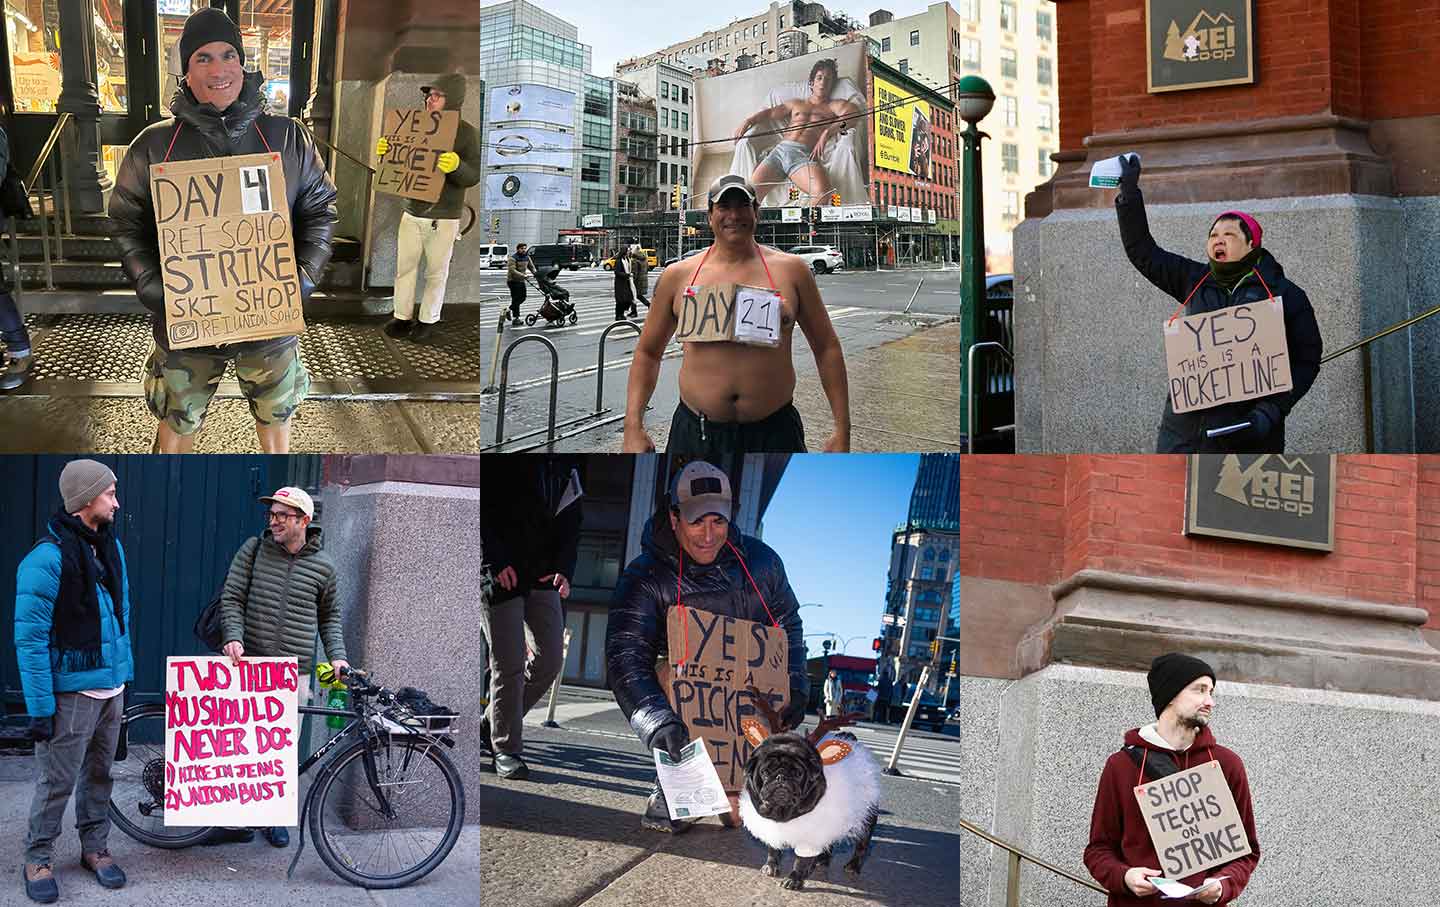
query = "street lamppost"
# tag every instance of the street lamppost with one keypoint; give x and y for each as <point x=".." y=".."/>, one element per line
<point x="974" y="98"/>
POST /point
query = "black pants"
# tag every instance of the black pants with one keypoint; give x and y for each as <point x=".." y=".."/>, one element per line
<point x="517" y="296"/>
<point x="693" y="435"/>
<point x="12" y="327"/>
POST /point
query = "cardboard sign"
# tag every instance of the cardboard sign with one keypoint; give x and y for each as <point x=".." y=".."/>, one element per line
<point x="231" y="740"/>
<point x="1228" y="355"/>
<point x="410" y="169"/>
<point x="227" y="254"/>
<point x="729" y="311"/>
<point x="1193" y="821"/>
<point x="720" y="658"/>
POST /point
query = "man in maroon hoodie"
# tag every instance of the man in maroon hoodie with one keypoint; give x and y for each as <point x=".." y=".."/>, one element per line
<point x="1120" y="854"/>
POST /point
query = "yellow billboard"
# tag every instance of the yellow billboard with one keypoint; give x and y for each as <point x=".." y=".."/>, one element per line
<point x="902" y="130"/>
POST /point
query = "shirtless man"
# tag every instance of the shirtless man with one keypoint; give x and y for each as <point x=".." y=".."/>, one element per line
<point x="810" y="124"/>
<point x="736" y="397"/>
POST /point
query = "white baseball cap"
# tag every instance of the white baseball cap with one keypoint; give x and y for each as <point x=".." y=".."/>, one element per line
<point x="701" y="488"/>
<point x="293" y="497"/>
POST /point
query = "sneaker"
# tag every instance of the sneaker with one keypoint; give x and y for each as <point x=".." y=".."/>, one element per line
<point x="657" y="815"/>
<point x="40" y="883"/>
<point x="277" y="836"/>
<point x="15" y="371"/>
<point x="229" y="836"/>
<point x="422" y="330"/>
<point x="103" y="865"/>
<point x="511" y="767"/>
<point x="398" y="327"/>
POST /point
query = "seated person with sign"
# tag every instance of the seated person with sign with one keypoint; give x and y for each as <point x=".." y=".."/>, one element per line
<point x="693" y="556"/>
<point x="219" y="111"/>
<point x="1238" y="272"/>
<point x="735" y="308"/>
<point x="1200" y="830"/>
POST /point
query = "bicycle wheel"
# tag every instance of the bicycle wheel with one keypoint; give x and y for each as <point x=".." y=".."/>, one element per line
<point x="363" y="846"/>
<point x="137" y="801"/>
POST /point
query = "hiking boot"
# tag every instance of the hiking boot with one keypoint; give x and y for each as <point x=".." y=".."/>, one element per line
<point x="397" y="328"/>
<point x="511" y="767"/>
<point x="229" y="836"/>
<point x="277" y="836"/>
<point x="657" y="815"/>
<point x="40" y="883"/>
<point x="103" y="865"/>
<point x="14" y="371"/>
<point x="422" y="331"/>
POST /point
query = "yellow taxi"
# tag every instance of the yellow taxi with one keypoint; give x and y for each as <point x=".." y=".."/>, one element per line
<point x="651" y="259"/>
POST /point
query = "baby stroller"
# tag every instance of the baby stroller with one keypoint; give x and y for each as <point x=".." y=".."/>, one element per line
<point x="556" y="308"/>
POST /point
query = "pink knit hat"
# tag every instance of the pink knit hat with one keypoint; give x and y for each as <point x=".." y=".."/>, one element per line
<point x="1251" y="223"/>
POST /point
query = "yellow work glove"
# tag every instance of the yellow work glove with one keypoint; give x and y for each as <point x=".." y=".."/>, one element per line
<point x="448" y="162"/>
<point x="382" y="147"/>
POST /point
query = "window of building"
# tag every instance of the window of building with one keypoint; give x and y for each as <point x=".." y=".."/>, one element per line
<point x="1009" y="63"/>
<point x="665" y="90"/>
<point x="970" y="9"/>
<point x="915" y="38"/>
<point x="684" y="121"/>
<point x="782" y="20"/>
<point x="944" y="555"/>
<point x="1043" y="162"/>
<point x="1010" y="205"/>
<point x="970" y="53"/>
<point x="1007" y="15"/>
<point x="884" y="45"/>
<point x="664" y="173"/>
<point x="762" y="49"/>
<point x="684" y="175"/>
<point x="684" y="95"/>
<point x="1044" y="24"/>
<point x="1045" y="70"/>
<point x="927" y="572"/>
<point x="904" y="67"/>
<point x="1010" y="109"/>
<point x="1046" y="117"/>
<point x="685" y="147"/>
<point x="594" y="169"/>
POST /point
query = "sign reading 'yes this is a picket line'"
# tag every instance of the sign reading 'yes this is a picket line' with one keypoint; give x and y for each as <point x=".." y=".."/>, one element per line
<point x="1228" y="355"/>
<point x="227" y="253"/>
<point x="417" y="137"/>
<point x="1193" y="821"/>
<point x="231" y="741"/>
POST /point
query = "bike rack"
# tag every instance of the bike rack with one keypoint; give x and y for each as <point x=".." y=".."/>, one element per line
<point x="505" y="379"/>
<point x="600" y="363"/>
<point x="499" y="333"/>
<point x="970" y="388"/>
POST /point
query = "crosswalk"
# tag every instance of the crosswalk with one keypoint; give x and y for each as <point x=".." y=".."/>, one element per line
<point x="921" y="757"/>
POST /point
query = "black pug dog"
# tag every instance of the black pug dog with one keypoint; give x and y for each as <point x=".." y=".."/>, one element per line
<point x="809" y="793"/>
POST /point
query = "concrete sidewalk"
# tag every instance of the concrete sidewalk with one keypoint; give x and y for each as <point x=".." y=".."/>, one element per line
<point x="571" y="836"/>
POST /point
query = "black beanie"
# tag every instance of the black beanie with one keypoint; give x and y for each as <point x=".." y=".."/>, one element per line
<point x="1171" y="673"/>
<point x="206" y="25"/>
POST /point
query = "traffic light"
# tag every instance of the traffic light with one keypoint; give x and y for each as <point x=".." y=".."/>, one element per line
<point x="794" y="194"/>
<point x="675" y="197"/>
<point x="875" y="646"/>
<point x="834" y="199"/>
<point x="934" y="648"/>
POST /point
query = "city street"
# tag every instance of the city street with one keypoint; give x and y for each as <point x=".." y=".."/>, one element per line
<point x="571" y="834"/>
<point x="903" y="368"/>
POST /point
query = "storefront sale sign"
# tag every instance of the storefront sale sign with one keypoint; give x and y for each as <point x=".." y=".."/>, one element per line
<point x="1226" y="356"/>
<point x="231" y="740"/>
<point x="1193" y="821"/>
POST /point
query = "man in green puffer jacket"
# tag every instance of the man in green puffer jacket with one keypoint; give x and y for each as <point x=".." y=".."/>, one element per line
<point x="279" y="593"/>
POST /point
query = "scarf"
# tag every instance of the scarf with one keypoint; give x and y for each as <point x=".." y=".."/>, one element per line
<point x="75" y="625"/>
<point x="1228" y="274"/>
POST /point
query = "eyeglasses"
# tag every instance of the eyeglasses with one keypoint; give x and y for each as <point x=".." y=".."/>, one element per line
<point x="276" y="516"/>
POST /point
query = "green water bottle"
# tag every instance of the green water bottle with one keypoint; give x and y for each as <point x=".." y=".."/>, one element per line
<point x="338" y="697"/>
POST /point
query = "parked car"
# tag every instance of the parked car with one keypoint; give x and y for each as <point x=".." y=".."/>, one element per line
<point x="999" y="286"/>
<point x="560" y="255"/>
<point x="651" y="259"/>
<point x="493" y="256"/>
<point x="931" y="714"/>
<point x="691" y="254"/>
<point x="821" y="259"/>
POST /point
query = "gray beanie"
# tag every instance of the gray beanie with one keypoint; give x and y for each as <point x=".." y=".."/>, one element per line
<point x="82" y="481"/>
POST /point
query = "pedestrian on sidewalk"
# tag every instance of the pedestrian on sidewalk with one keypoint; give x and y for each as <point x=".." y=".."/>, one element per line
<point x="429" y="230"/>
<point x="219" y="110"/>
<point x="517" y="265"/>
<point x="14" y="339"/>
<point x="530" y="511"/>
<point x="72" y="645"/>
<point x="737" y="396"/>
<point x="1121" y="855"/>
<point x="1238" y="271"/>
<point x="834" y="694"/>
<point x="885" y="688"/>
<point x="280" y="593"/>
<point x="640" y="271"/>
<point x="624" y="282"/>
<point x="693" y="553"/>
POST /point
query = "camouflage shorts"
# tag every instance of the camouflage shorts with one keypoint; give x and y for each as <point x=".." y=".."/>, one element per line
<point x="180" y="383"/>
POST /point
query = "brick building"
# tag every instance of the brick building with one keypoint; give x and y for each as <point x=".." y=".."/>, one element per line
<point x="1328" y="147"/>
<point x="1076" y="572"/>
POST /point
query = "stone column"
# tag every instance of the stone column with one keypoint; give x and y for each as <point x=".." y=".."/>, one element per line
<point x="84" y="172"/>
<point x="320" y="109"/>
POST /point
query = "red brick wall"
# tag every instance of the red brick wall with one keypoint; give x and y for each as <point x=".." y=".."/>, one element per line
<point x="1072" y="27"/>
<point x="1427" y="530"/>
<point x="1012" y="517"/>
<point x="1398" y="61"/>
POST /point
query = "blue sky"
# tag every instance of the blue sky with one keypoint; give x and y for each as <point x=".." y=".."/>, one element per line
<point x="831" y="520"/>
<point x="616" y="33"/>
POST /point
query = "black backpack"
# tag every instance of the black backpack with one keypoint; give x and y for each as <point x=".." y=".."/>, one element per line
<point x="210" y="625"/>
<point x="418" y="702"/>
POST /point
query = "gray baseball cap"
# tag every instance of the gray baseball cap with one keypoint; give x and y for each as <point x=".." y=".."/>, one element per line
<point x="728" y="182"/>
<point x="701" y="488"/>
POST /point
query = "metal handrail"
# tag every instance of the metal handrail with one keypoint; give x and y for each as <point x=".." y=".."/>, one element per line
<point x="970" y="387"/>
<point x="505" y="381"/>
<point x="600" y="361"/>
<point x="60" y="123"/>
<point x="1385" y="333"/>
<point x="368" y="222"/>
<point x="32" y="185"/>
<point x="1016" y="854"/>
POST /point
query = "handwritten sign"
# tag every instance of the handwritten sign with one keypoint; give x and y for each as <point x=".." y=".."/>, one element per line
<point x="729" y="311"/>
<point x="1193" y="821"/>
<point x="231" y="738"/>
<point x="417" y="138"/>
<point x="1227" y="356"/>
<point x="227" y="254"/>
<point x="719" y="659"/>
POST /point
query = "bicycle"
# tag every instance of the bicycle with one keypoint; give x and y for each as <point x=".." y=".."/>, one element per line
<point x="385" y="769"/>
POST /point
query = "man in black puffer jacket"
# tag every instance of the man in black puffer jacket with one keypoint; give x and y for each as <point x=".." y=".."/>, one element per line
<point x="219" y="111"/>
<point x="1238" y="271"/>
<point x="700" y="531"/>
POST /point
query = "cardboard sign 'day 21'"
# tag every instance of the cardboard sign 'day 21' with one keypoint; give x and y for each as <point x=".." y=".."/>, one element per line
<point x="1228" y="355"/>
<point x="1193" y="821"/>
<point x="227" y="253"/>
<point x="417" y="138"/>
<point x="723" y="657"/>
<point x="729" y="311"/>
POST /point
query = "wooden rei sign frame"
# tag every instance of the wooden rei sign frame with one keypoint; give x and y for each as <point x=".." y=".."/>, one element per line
<point x="1198" y="44"/>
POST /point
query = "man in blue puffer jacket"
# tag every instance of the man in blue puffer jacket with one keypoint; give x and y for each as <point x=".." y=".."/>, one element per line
<point x="72" y="642"/>
<point x="700" y="537"/>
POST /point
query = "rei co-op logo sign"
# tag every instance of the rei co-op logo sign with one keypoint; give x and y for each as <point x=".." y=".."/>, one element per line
<point x="1262" y="498"/>
<point x="1199" y="43"/>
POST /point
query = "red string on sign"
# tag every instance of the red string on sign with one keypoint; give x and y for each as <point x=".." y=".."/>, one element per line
<point x="1207" y="277"/>
<point x="695" y="279"/>
<point x="178" y="125"/>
